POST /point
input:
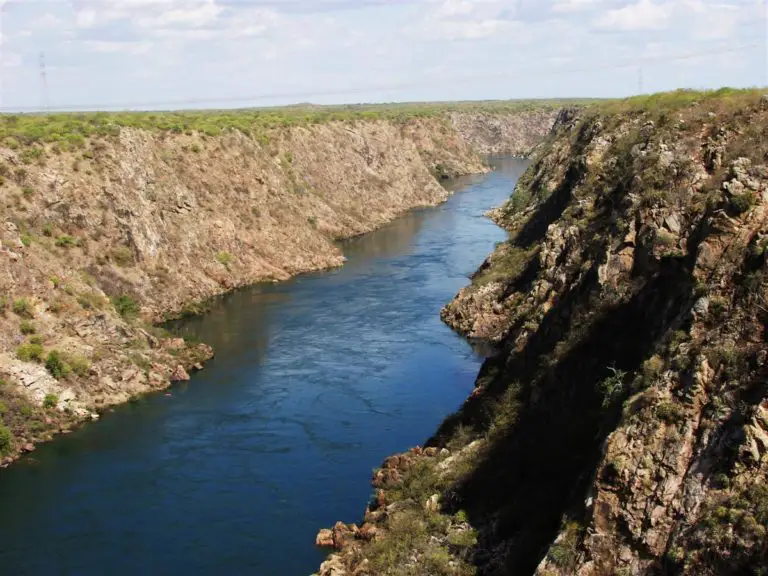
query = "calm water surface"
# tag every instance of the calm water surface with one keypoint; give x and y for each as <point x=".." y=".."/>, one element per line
<point x="315" y="381"/>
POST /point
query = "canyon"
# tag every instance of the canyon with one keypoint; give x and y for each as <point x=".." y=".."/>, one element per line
<point x="112" y="225"/>
<point x="621" y="425"/>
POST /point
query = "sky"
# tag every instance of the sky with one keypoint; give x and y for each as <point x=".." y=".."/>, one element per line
<point x="140" y="54"/>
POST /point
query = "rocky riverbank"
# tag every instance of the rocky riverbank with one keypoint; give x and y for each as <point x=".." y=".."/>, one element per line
<point x="622" y="426"/>
<point x="104" y="236"/>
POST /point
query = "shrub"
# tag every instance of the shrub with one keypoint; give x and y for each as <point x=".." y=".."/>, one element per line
<point x="196" y="148"/>
<point x="652" y="369"/>
<point x="126" y="306"/>
<point x="225" y="258"/>
<point x="26" y="240"/>
<point x="56" y="365"/>
<point x="23" y="307"/>
<point x="612" y="387"/>
<point x="122" y="256"/>
<point x="50" y="401"/>
<point x="27" y="191"/>
<point x="743" y="202"/>
<point x="564" y="552"/>
<point x="48" y="230"/>
<point x="79" y="365"/>
<point x="6" y="440"/>
<point x="670" y="412"/>
<point x="3" y="408"/>
<point x="31" y="155"/>
<point x="26" y="327"/>
<point x="66" y="241"/>
<point x="312" y="221"/>
<point x="28" y="352"/>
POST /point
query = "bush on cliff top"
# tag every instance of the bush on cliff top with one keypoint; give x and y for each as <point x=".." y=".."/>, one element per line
<point x="71" y="129"/>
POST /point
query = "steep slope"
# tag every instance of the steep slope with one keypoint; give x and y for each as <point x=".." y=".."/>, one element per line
<point x="113" y="224"/>
<point x="622" y="426"/>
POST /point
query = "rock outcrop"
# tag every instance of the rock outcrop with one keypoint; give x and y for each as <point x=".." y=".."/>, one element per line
<point x="621" y="428"/>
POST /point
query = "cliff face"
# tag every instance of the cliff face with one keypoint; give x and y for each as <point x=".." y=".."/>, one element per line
<point x="100" y="241"/>
<point x="622" y="427"/>
<point x="494" y="134"/>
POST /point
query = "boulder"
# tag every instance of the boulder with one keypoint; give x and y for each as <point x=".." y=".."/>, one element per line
<point x="179" y="374"/>
<point x="324" y="538"/>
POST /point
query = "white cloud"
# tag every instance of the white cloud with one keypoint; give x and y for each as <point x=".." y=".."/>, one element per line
<point x="643" y="15"/>
<point x="48" y="22"/>
<point x="10" y="60"/>
<point x="466" y="20"/>
<point x="109" y="47"/>
<point x="574" y="5"/>
<point x="85" y="18"/>
<point x="192" y="16"/>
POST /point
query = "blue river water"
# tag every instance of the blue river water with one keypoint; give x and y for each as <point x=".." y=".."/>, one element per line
<point x="315" y="381"/>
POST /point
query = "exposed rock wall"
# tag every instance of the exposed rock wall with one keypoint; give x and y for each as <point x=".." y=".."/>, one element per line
<point x="496" y="134"/>
<point x="99" y="242"/>
<point x="622" y="427"/>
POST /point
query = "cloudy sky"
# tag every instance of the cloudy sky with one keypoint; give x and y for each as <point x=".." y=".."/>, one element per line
<point x="202" y="53"/>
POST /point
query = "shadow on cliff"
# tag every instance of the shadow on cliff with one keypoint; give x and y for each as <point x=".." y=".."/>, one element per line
<point x="540" y="467"/>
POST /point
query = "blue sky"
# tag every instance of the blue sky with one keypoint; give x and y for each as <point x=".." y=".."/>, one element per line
<point x="205" y="53"/>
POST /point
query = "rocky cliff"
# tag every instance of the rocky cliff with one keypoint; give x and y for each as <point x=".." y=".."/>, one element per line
<point x="622" y="425"/>
<point x="104" y="235"/>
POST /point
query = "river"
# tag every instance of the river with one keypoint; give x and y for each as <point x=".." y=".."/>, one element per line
<point x="315" y="381"/>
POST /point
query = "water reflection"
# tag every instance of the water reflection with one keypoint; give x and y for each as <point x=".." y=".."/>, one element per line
<point x="394" y="239"/>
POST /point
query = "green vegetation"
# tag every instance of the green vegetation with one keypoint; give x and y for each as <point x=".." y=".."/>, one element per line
<point x="56" y="365"/>
<point x="743" y="202"/>
<point x="126" y="306"/>
<point x="506" y="264"/>
<point x="670" y="412"/>
<point x="413" y="533"/>
<point x="66" y="241"/>
<point x="78" y="364"/>
<point x="31" y="155"/>
<point x="732" y="533"/>
<point x="71" y="130"/>
<point x="29" y="352"/>
<point x="563" y="553"/>
<point x="6" y="440"/>
<point x="225" y="259"/>
<point x="721" y="100"/>
<point x="23" y="307"/>
<point x="612" y="387"/>
<point x="26" y="327"/>
<point x="50" y="401"/>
